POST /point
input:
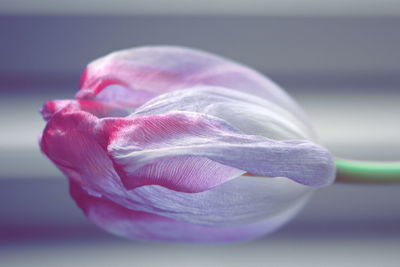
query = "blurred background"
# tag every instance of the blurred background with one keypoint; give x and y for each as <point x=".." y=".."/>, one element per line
<point x="339" y="59"/>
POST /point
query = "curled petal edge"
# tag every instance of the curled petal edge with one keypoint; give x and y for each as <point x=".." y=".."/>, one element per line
<point x="145" y="144"/>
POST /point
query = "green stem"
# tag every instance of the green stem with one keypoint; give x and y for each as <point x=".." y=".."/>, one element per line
<point x="367" y="171"/>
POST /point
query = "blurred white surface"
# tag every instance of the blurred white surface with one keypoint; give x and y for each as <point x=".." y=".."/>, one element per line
<point x="275" y="252"/>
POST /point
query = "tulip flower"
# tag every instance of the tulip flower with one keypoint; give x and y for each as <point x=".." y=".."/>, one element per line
<point x="175" y="144"/>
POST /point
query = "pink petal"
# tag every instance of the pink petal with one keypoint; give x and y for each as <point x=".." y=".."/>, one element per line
<point x="139" y="74"/>
<point x="186" y="174"/>
<point x="96" y="108"/>
<point x="250" y="114"/>
<point x="76" y="142"/>
<point x="153" y="149"/>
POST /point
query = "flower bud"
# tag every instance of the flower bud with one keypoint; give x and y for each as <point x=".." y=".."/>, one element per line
<point x="174" y="144"/>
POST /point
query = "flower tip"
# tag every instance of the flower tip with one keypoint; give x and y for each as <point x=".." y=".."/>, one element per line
<point x="49" y="108"/>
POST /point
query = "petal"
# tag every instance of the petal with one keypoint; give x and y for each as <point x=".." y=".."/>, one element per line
<point x="121" y="96"/>
<point x="187" y="174"/>
<point x="250" y="114"/>
<point x="150" y="142"/>
<point x="129" y="223"/>
<point x="96" y="108"/>
<point x="49" y="108"/>
<point x="239" y="201"/>
<point x="75" y="141"/>
<point x="144" y="72"/>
